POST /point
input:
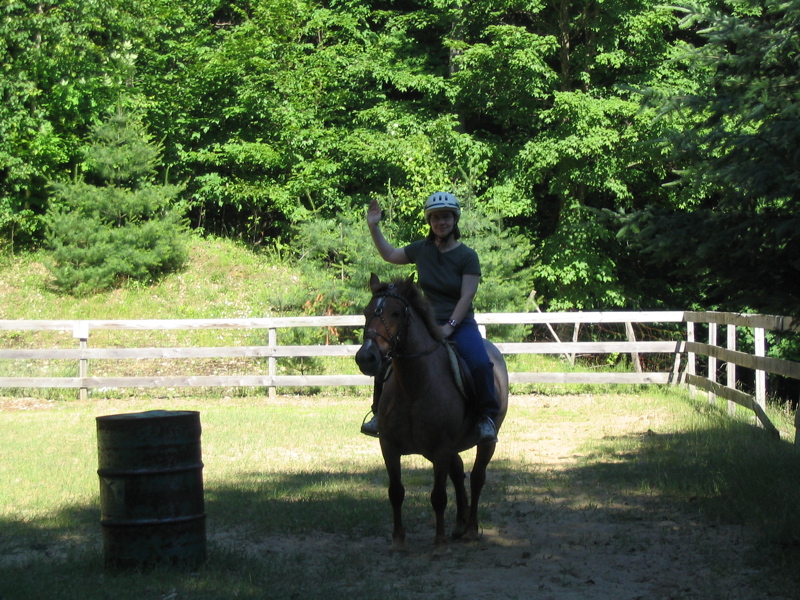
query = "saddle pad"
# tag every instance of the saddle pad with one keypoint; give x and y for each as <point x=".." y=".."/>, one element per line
<point x="461" y="372"/>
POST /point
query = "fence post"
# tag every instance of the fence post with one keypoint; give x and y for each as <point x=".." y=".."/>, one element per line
<point x="690" y="357"/>
<point x="761" y="376"/>
<point x="80" y="331"/>
<point x="273" y="362"/>
<point x="570" y="358"/>
<point x="712" y="360"/>
<point x="637" y="363"/>
<point x="731" y="368"/>
<point x="575" y="334"/>
<point x="797" y="427"/>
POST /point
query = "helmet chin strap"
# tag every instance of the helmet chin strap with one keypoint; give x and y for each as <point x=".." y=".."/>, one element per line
<point x="441" y="241"/>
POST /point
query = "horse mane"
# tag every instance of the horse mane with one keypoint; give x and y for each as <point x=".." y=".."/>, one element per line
<point x="411" y="292"/>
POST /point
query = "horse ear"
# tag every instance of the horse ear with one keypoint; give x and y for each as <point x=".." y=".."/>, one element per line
<point x="410" y="280"/>
<point x="374" y="282"/>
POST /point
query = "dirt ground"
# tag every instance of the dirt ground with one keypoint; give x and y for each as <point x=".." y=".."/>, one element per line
<point x="552" y="546"/>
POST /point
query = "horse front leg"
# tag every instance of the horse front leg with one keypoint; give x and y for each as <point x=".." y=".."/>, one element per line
<point x="397" y="494"/>
<point x="457" y="476"/>
<point x="441" y="469"/>
<point x="477" y="479"/>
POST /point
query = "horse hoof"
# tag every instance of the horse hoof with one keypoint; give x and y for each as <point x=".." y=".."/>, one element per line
<point x="442" y="551"/>
<point x="396" y="548"/>
<point x="471" y="536"/>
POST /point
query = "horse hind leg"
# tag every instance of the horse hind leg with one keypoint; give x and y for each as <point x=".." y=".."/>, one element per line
<point x="441" y="469"/>
<point x="457" y="476"/>
<point x="477" y="479"/>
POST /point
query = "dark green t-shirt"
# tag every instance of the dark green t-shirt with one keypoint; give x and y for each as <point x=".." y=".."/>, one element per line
<point x="440" y="273"/>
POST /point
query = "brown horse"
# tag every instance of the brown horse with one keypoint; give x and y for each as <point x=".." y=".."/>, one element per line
<point x="421" y="409"/>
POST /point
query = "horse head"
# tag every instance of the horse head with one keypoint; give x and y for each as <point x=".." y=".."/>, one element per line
<point x="387" y="316"/>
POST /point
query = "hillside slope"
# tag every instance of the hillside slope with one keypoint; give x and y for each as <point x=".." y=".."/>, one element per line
<point x="222" y="280"/>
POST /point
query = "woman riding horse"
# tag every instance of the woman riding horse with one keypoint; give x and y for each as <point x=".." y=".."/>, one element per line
<point x="448" y="273"/>
<point x="423" y="409"/>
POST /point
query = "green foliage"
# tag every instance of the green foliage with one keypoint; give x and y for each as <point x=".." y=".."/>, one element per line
<point x="508" y="76"/>
<point x="275" y="113"/>
<point x="506" y="261"/>
<point x="306" y="118"/>
<point x="16" y="222"/>
<point x="577" y="272"/>
<point x="747" y="144"/>
<point x="739" y="240"/>
<point x="63" y="64"/>
<point x="551" y="88"/>
<point x="126" y="226"/>
<point x="584" y="152"/>
<point x="336" y="257"/>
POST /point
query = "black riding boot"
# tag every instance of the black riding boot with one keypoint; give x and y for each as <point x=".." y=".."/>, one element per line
<point x="488" y="406"/>
<point x="370" y="427"/>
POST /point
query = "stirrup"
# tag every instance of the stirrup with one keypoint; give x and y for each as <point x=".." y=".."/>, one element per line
<point x="370" y="427"/>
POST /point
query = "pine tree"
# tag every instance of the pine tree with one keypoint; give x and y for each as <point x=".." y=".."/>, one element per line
<point x="740" y="244"/>
<point x="117" y="224"/>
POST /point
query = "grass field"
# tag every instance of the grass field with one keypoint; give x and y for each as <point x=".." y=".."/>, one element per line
<point x="280" y="473"/>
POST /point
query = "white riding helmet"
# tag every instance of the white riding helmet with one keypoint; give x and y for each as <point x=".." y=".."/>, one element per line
<point x="439" y="201"/>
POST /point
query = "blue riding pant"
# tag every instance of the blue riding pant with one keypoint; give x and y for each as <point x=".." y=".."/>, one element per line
<point x="469" y="343"/>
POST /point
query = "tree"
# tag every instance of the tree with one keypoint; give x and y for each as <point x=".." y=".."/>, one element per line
<point x="275" y="112"/>
<point x="63" y="63"/>
<point x="740" y="243"/>
<point x="296" y="109"/>
<point x="547" y="86"/>
<point x="117" y="224"/>
<point x="306" y="110"/>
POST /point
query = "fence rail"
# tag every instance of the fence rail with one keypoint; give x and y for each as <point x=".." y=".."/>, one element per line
<point x="684" y="351"/>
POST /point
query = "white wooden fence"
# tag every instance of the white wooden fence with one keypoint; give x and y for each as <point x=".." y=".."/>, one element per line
<point x="758" y="361"/>
<point x="683" y="369"/>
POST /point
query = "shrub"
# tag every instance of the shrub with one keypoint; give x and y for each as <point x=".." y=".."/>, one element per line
<point x="118" y="224"/>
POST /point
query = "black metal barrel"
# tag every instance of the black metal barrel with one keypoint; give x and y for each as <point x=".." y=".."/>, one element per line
<point x="151" y="489"/>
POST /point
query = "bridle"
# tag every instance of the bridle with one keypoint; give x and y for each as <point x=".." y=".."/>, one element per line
<point x="394" y="339"/>
<point x="378" y="313"/>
